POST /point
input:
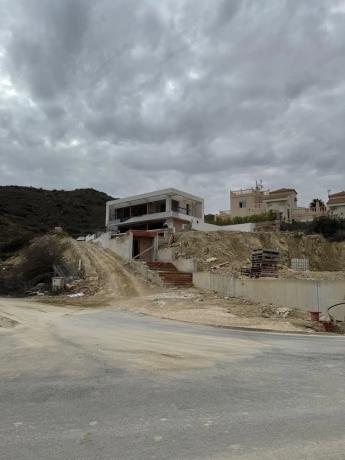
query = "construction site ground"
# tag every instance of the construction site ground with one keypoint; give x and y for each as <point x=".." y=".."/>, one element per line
<point x="228" y="252"/>
<point x="110" y="282"/>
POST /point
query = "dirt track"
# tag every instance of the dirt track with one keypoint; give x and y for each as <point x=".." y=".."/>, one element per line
<point x="107" y="278"/>
<point x="113" y="276"/>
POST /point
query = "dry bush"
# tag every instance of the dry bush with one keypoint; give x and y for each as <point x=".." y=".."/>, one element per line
<point x="41" y="255"/>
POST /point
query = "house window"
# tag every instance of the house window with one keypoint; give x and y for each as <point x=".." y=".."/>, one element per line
<point x="243" y="204"/>
<point x="157" y="206"/>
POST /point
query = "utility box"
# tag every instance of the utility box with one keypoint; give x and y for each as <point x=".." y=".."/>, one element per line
<point x="58" y="283"/>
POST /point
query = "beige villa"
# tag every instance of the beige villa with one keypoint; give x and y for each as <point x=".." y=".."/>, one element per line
<point x="257" y="200"/>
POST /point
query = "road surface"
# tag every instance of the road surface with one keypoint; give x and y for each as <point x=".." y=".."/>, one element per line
<point x="103" y="384"/>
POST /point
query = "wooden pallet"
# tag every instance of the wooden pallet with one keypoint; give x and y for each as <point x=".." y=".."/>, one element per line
<point x="264" y="264"/>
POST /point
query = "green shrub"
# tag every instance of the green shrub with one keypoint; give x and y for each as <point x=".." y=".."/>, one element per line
<point x="331" y="228"/>
<point x="264" y="217"/>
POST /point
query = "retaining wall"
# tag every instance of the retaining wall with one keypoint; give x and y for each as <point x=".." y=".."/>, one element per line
<point x="204" y="227"/>
<point x="182" y="265"/>
<point x="121" y="244"/>
<point x="304" y="294"/>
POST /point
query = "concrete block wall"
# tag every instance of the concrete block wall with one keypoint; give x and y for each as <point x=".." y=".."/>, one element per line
<point x="122" y="244"/>
<point x="182" y="265"/>
<point x="308" y="295"/>
<point x="185" y="265"/>
<point x="165" y="255"/>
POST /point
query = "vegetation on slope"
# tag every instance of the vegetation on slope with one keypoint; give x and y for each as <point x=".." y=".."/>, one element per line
<point x="331" y="228"/>
<point x="27" y="212"/>
<point x="263" y="217"/>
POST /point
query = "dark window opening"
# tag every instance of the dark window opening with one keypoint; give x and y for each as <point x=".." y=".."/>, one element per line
<point x="139" y="210"/>
<point x="157" y="206"/>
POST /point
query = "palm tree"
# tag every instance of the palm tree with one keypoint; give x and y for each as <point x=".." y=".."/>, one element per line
<point x="316" y="201"/>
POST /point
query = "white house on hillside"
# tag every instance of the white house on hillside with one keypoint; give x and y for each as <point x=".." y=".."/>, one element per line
<point x="168" y="208"/>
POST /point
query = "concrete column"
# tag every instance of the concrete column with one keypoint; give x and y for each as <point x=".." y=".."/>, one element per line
<point x="168" y="204"/>
<point x="107" y="214"/>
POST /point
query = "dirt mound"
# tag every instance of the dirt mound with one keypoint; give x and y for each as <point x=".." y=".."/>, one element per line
<point x="107" y="279"/>
<point x="215" y="248"/>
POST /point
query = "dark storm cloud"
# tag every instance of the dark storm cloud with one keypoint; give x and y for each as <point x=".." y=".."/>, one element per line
<point x="131" y="95"/>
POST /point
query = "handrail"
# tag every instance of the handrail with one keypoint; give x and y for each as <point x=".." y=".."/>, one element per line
<point x="332" y="306"/>
<point x="143" y="252"/>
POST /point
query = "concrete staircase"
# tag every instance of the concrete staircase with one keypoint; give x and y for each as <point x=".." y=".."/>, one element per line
<point x="170" y="275"/>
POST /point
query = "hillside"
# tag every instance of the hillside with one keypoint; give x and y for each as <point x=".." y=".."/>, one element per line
<point x="26" y="212"/>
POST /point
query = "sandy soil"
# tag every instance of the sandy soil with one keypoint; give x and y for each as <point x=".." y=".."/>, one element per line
<point x="327" y="259"/>
<point x="195" y="306"/>
<point x="110" y="282"/>
<point x="72" y="341"/>
<point x="107" y="279"/>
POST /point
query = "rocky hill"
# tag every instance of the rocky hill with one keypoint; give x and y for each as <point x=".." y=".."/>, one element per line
<point x="26" y="212"/>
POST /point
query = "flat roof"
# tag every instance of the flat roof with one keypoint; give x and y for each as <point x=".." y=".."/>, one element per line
<point x="156" y="193"/>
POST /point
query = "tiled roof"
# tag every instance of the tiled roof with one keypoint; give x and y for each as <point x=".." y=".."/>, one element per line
<point x="336" y="198"/>
<point x="333" y="195"/>
<point x="281" y="193"/>
<point x="283" y="190"/>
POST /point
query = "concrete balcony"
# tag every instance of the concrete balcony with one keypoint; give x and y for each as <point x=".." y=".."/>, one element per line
<point x="152" y="217"/>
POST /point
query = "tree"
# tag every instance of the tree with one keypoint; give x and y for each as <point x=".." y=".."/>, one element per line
<point x="210" y="218"/>
<point x="316" y="201"/>
<point x="41" y="255"/>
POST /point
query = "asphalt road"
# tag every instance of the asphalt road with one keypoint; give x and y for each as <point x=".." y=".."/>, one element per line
<point x="109" y="385"/>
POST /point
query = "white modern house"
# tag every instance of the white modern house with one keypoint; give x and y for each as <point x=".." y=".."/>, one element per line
<point x="135" y="225"/>
<point x="161" y="209"/>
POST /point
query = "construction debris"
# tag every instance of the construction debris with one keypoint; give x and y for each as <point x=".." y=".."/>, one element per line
<point x="211" y="259"/>
<point x="217" y="267"/>
<point x="78" y="294"/>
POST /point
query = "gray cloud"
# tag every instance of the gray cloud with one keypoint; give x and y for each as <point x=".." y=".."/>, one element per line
<point x="127" y="96"/>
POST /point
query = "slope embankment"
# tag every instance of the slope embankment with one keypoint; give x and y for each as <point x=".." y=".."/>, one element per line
<point x="327" y="259"/>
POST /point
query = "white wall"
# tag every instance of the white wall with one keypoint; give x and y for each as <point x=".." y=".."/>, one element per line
<point x="308" y="295"/>
<point x="185" y="265"/>
<point x="203" y="227"/>
<point x="121" y="244"/>
<point x="165" y="254"/>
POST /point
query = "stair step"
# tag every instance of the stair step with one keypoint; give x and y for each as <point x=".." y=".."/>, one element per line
<point x="170" y="275"/>
<point x="161" y="266"/>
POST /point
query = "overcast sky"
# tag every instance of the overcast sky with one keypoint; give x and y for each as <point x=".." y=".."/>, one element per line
<point x="128" y="96"/>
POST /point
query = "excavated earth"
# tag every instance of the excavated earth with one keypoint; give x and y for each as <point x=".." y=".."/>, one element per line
<point x="110" y="282"/>
<point x="326" y="259"/>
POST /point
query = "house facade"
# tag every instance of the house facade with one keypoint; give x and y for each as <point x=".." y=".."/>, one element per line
<point x="161" y="209"/>
<point x="247" y="202"/>
<point x="256" y="201"/>
<point x="336" y="204"/>
<point x="283" y="201"/>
